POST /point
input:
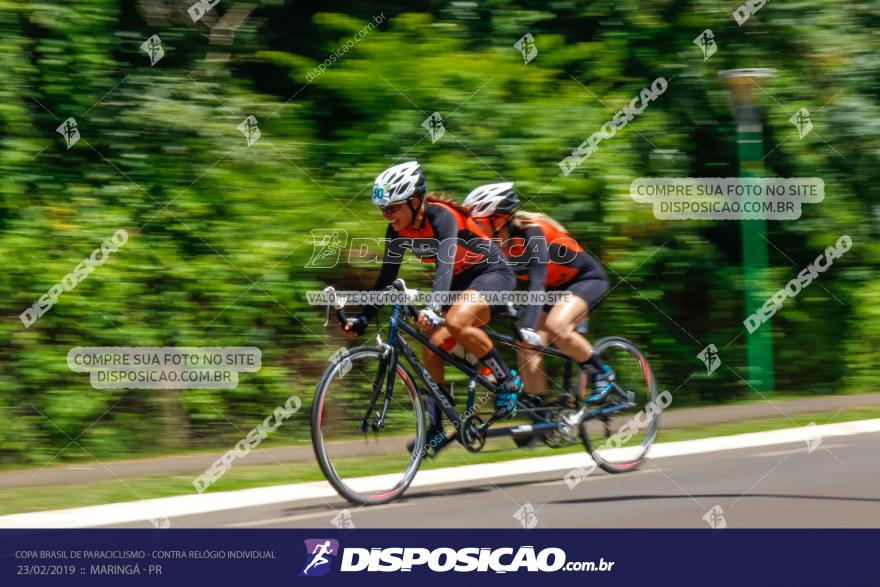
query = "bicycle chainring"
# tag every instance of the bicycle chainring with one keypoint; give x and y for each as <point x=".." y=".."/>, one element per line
<point x="472" y="437"/>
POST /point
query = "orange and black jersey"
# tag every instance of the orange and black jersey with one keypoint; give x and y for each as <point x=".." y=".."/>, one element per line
<point x="447" y="237"/>
<point x="548" y="258"/>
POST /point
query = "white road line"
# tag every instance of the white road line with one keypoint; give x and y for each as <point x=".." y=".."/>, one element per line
<point x="803" y="449"/>
<point x="188" y="505"/>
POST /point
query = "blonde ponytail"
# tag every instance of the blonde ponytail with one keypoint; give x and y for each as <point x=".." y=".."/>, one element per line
<point x="524" y="219"/>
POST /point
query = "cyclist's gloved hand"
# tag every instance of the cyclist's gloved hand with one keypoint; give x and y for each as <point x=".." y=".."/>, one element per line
<point x="430" y="316"/>
<point x="354" y="326"/>
<point x="530" y="336"/>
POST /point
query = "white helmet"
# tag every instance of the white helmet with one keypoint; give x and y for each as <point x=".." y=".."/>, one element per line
<point x="494" y="197"/>
<point x="399" y="183"/>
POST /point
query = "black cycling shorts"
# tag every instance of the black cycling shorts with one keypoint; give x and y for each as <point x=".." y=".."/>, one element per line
<point x="588" y="288"/>
<point x="495" y="277"/>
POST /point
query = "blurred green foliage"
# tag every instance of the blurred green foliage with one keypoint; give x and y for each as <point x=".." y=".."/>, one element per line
<point x="220" y="231"/>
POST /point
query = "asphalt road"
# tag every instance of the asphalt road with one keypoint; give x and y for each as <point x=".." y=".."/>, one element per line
<point x="193" y="464"/>
<point x="836" y="485"/>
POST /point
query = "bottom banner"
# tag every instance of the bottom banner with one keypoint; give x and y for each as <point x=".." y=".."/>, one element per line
<point x="398" y="557"/>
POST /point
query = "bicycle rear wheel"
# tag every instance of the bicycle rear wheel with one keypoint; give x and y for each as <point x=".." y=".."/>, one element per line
<point x="367" y="466"/>
<point x="619" y="441"/>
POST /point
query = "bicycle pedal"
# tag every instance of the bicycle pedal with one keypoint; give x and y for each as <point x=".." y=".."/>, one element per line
<point x="624" y="398"/>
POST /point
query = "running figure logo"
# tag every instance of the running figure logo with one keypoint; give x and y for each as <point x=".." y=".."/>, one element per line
<point x="250" y="129"/>
<point x="801" y="121"/>
<point x="434" y="125"/>
<point x="706" y="43"/>
<point x="715" y="518"/>
<point x="317" y="552"/>
<point x="161" y="523"/>
<point x="70" y="131"/>
<point x="343" y="518"/>
<point x="526" y="46"/>
<point x="153" y="48"/>
<point x="526" y="516"/>
<point x="710" y="358"/>
<point x="327" y="247"/>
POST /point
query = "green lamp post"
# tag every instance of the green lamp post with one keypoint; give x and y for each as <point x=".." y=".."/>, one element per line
<point x="742" y="84"/>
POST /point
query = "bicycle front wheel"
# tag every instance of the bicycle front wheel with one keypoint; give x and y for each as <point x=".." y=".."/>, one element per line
<point x="362" y="448"/>
<point x="619" y="438"/>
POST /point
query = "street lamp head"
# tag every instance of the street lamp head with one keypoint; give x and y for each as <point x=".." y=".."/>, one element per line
<point x="742" y="82"/>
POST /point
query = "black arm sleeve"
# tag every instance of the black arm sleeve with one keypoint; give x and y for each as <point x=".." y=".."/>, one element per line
<point x="391" y="260"/>
<point x="536" y="249"/>
<point x="446" y="233"/>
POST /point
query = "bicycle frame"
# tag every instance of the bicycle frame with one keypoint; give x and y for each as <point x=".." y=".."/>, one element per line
<point x="395" y="346"/>
<point x="556" y="424"/>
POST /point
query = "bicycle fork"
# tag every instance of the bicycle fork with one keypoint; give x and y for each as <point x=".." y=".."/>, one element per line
<point x="386" y="368"/>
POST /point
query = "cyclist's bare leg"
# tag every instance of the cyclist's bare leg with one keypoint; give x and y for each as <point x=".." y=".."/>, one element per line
<point x="436" y="368"/>
<point x="433" y="362"/>
<point x="531" y="369"/>
<point x="465" y="320"/>
<point x="531" y="365"/>
<point x="560" y="328"/>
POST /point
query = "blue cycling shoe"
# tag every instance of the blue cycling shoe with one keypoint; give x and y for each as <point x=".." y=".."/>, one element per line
<point x="602" y="384"/>
<point x="506" y="396"/>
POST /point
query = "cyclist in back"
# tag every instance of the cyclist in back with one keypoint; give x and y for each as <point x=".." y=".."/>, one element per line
<point x="438" y="230"/>
<point x="544" y="254"/>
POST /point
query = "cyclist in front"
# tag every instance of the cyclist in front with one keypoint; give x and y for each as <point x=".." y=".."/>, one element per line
<point x="544" y="254"/>
<point x="438" y="230"/>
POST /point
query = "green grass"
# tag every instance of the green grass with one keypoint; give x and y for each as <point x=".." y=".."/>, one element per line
<point x="39" y="498"/>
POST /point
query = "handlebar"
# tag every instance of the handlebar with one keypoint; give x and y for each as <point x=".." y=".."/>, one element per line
<point x="339" y="302"/>
<point x="336" y="302"/>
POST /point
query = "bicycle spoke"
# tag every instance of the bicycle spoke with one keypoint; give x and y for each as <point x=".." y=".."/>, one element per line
<point x="349" y="446"/>
<point x="623" y="426"/>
